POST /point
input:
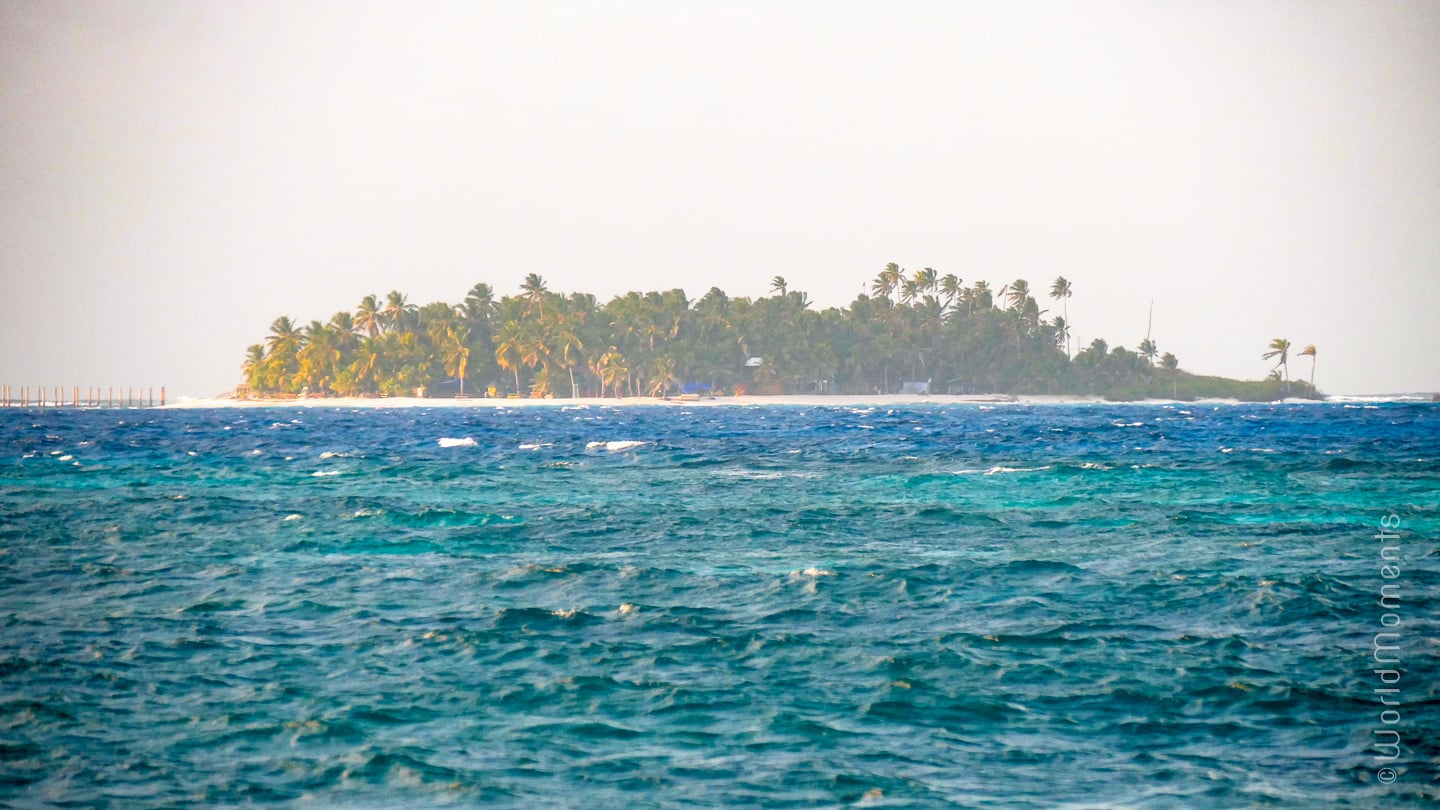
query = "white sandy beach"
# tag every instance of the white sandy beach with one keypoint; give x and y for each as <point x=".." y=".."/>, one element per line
<point x="483" y="402"/>
<point x="836" y="401"/>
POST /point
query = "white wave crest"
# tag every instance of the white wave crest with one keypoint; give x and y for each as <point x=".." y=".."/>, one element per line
<point x="615" y="447"/>
<point x="999" y="470"/>
<point x="465" y="442"/>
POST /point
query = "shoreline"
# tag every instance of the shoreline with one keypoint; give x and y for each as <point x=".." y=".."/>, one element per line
<point x="810" y="401"/>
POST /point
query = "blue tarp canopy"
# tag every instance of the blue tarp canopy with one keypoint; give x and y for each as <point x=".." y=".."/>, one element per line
<point x="695" y="388"/>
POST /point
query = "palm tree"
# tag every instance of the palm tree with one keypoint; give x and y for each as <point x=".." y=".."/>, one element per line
<point x="981" y="297"/>
<point x="950" y="288"/>
<point x="457" y="352"/>
<point x="1061" y="329"/>
<point x="1148" y="350"/>
<point x="778" y="286"/>
<point x="1309" y="351"/>
<point x="663" y="376"/>
<point x="283" y="332"/>
<point x="569" y="347"/>
<point x="367" y="316"/>
<point x="368" y="356"/>
<point x="888" y="281"/>
<point x="1019" y="291"/>
<point x="535" y="351"/>
<point x="1280" y="347"/>
<point x="610" y="370"/>
<point x="1171" y="364"/>
<point x="320" y="356"/>
<point x="909" y="291"/>
<point x="397" y="311"/>
<point x="479" y="302"/>
<point x="534" y="288"/>
<point x="1060" y="291"/>
<point x="507" y="349"/>
<point x="926" y="279"/>
<point x="254" y="366"/>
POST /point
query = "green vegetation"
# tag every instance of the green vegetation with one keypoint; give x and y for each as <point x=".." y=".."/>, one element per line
<point x="920" y="327"/>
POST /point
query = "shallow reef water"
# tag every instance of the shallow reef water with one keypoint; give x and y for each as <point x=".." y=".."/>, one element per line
<point x="587" y="606"/>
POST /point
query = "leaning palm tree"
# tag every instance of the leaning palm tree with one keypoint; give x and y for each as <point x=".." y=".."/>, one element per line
<point x="909" y="291"/>
<point x="888" y="281"/>
<point x="1061" y="329"/>
<point x="1060" y="291"/>
<point x="663" y="376"/>
<point x="1019" y="291"/>
<point x="779" y="286"/>
<point x="950" y="288"/>
<point x="1280" y="348"/>
<point x="926" y="279"/>
<point x="1309" y="351"/>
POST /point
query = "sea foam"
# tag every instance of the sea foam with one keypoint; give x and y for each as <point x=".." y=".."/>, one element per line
<point x="615" y="446"/>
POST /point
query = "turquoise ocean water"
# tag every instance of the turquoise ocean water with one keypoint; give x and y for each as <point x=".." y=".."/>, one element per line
<point x="1007" y="607"/>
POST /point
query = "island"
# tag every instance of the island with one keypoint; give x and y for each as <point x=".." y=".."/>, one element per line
<point x="920" y="333"/>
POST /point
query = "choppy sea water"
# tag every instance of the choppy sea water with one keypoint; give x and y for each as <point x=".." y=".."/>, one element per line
<point x="1103" y="605"/>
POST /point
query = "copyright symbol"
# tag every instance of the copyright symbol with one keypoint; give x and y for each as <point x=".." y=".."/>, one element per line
<point x="1386" y="776"/>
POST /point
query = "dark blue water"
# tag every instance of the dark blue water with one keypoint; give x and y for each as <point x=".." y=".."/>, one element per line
<point x="1131" y="606"/>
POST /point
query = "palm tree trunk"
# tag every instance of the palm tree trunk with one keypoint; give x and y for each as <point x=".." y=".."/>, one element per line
<point x="1066" y="305"/>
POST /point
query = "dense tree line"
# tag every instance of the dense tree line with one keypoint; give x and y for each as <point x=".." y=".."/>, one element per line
<point x="910" y="327"/>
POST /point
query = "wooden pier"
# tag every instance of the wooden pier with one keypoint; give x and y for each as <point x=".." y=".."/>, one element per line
<point x="24" y="396"/>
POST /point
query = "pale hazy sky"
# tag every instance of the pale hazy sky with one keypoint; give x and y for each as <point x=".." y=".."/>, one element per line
<point x="174" y="175"/>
